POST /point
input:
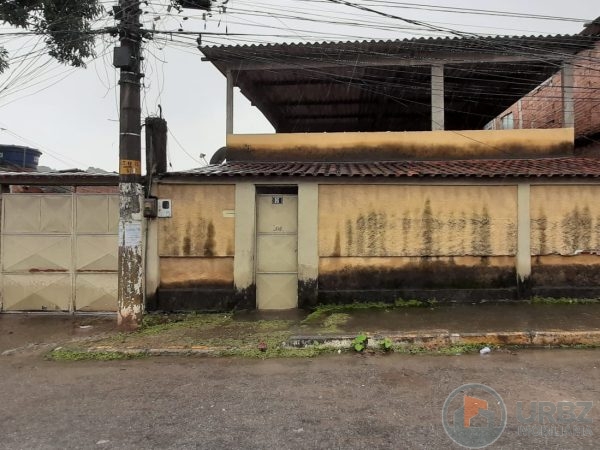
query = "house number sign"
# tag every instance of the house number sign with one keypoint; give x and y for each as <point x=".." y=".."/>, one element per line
<point x="277" y="200"/>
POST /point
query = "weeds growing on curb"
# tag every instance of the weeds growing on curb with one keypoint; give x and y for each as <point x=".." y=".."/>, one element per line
<point x="386" y="345"/>
<point x="323" y="311"/>
<point x="64" y="354"/>
<point x="563" y="301"/>
<point x="360" y="342"/>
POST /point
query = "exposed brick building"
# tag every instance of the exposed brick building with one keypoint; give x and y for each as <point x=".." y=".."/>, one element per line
<point x="543" y="107"/>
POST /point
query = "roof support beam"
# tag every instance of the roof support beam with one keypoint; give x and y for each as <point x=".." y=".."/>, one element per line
<point x="437" y="97"/>
<point x="229" y="103"/>
<point x="309" y="62"/>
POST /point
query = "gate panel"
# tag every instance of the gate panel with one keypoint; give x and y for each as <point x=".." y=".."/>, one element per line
<point x="96" y="253"/>
<point x="92" y="214"/>
<point x="39" y="292"/>
<point x="96" y="291"/>
<point x="22" y="213"/>
<point x="30" y="253"/>
<point x="56" y="214"/>
<point x="59" y="252"/>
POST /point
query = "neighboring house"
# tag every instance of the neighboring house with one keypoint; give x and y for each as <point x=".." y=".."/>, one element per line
<point x="543" y="107"/>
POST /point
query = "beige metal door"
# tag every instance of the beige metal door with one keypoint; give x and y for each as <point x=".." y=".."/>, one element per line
<point x="277" y="251"/>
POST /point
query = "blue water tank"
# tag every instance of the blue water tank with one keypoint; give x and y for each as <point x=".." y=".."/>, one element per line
<point x="19" y="157"/>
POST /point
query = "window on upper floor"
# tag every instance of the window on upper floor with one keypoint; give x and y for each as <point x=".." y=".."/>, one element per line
<point x="507" y="122"/>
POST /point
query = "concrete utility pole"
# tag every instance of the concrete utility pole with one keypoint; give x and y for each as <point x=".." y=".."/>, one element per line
<point x="131" y="275"/>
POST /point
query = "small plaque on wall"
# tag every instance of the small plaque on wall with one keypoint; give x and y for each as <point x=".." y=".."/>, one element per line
<point x="276" y="200"/>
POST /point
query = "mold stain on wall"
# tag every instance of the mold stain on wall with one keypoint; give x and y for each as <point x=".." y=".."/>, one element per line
<point x="198" y="227"/>
<point x="418" y="221"/>
<point x="196" y="245"/>
<point x="427" y="273"/>
<point x="565" y="220"/>
<point x="210" y="242"/>
<point x="481" y="233"/>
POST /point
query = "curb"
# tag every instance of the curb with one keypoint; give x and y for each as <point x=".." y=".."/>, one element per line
<point x="429" y="339"/>
<point x="444" y="338"/>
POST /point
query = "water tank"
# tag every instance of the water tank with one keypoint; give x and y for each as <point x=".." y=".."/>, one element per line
<point x="19" y="157"/>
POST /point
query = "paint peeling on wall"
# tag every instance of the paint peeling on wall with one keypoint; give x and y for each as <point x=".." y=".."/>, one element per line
<point x="396" y="220"/>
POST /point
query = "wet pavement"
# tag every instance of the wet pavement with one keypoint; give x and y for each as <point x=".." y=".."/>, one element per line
<point x="28" y="330"/>
<point x="346" y="401"/>
<point x="42" y="332"/>
<point x="482" y="318"/>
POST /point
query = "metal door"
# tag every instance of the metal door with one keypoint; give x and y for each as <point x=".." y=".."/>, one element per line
<point x="277" y="251"/>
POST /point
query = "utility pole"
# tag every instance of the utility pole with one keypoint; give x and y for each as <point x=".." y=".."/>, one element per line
<point x="130" y="272"/>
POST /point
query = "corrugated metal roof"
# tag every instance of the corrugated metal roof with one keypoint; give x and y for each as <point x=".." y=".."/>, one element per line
<point x="59" y="178"/>
<point x="386" y="85"/>
<point x="454" y="40"/>
<point x="496" y="168"/>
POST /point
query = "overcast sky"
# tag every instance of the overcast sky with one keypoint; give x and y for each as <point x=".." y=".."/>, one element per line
<point x="71" y="115"/>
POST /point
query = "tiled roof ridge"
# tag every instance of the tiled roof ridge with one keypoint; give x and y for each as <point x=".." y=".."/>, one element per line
<point x="569" y="166"/>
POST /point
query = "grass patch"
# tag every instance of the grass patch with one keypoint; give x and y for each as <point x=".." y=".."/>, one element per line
<point x="278" y="352"/>
<point x="322" y="311"/>
<point x="563" y="301"/>
<point x="334" y="321"/>
<point x="461" y="349"/>
<point x="64" y="354"/>
<point x="160" y="323"/>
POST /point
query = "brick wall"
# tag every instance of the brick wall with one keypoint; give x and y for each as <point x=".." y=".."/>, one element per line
<point x="542" y="107"/>
<point x="97" y="189"/>
<point x="19" y="189"/>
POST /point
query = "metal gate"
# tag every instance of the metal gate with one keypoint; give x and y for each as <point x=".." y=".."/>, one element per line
<point x="59" y="252"/>
<point x="277" y="251"/>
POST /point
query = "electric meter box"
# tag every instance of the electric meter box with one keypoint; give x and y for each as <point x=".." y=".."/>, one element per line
<point x="164" y="207"/>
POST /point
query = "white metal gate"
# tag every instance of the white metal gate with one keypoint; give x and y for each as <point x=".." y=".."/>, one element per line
<point x="59" y="252"/>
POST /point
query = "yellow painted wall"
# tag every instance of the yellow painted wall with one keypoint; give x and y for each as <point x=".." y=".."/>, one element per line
<point x="399" y="145"/>
<point x="196" y="245"/>
<point x="200" y="225"/>
<point x="192" y="272"/>
<point x="565" y="220"/>
<point x="397" y="220"/>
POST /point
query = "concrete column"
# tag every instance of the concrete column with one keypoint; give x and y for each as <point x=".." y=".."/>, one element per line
<point x="567" y="95"/>
<point x="308" y="243"/>
<point x="151" y="258"/>
<point x="243" y="262"/>
<point x="229" y="104"/>
<point x="4" y="189"/>
<point x="523" y="232"/>
<point x="437" y="97"/>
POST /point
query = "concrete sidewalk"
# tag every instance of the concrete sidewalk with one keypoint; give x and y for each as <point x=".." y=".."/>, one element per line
<point x="279" y="333"/>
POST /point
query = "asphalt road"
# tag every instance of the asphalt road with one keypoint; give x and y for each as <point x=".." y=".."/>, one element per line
<point x="342" y="401"/>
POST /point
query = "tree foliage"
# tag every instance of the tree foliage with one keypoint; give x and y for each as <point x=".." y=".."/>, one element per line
<point x="65" y="24"/>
